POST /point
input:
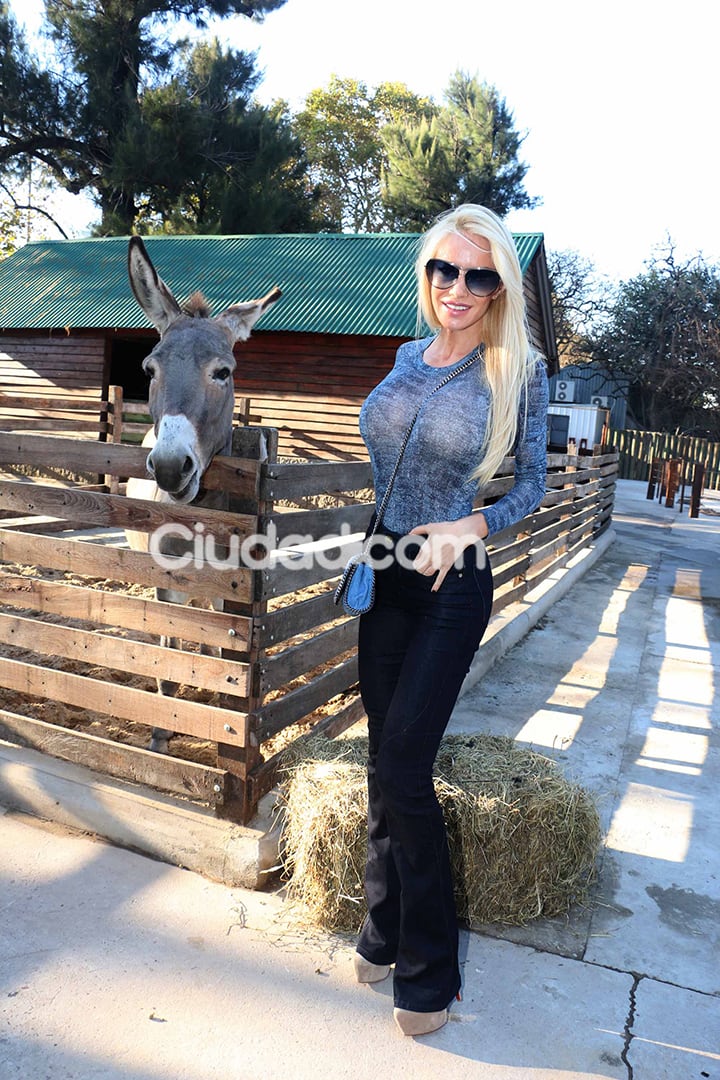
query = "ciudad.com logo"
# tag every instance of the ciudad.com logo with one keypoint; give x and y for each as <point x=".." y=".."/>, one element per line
<point x="175" y="546"/>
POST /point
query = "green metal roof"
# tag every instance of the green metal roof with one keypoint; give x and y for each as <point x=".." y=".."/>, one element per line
<point x="332" y="283"/>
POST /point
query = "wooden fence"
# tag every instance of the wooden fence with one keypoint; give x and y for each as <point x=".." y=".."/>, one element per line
<point x="53" y="410"/>
<point x="309" y="426"/>
<point x="81" y="629"/>
<point x="637" y="449"/>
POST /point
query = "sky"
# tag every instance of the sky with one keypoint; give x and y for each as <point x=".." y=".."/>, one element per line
<point x="618" y="102"/>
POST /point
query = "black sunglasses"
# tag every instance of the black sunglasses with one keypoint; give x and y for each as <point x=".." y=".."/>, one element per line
<point x="480" y="282"/>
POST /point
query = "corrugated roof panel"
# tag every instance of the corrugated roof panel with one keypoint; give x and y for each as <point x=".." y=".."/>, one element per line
<point x="331" y="283"/>
<point x="527" y="245"/>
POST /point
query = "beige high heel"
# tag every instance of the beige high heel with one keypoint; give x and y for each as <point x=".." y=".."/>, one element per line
<point x="419" y="1023"/>
<point x="365" y="972"/>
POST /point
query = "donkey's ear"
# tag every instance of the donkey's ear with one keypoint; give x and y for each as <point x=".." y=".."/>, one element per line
<point x="240" y="318"/>
<point x="151" y="292"/>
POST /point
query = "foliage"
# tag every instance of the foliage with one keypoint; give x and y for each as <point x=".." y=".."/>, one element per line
<point x="579" y="299"/>
<point x="217" y="164"/>
<point x="663" y="333"/>
<point x="464" y="151"/>
<point x="146" y="123"/>
<point x="27" y="212"/>
<point x="11" y="225"/>
<point x="272" y="192"/>
<point x="341" y="129"/>
<point x="388" y="159"/>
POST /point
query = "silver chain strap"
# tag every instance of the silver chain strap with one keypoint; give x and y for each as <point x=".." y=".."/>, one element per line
<point x="406" y="438"/>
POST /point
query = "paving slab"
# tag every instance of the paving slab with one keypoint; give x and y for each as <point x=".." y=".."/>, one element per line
<point x="117" y="967"/>
<point x="675" y="1033"/>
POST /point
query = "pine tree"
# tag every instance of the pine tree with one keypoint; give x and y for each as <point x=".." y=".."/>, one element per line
<point x="466" y="152"/>
<point x="129" y="114"/>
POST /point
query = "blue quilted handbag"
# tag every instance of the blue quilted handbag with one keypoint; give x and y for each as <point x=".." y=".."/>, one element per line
<point x="356" y="589"/>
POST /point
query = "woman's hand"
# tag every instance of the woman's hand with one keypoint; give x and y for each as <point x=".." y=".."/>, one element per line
<point x="444" y="543"/>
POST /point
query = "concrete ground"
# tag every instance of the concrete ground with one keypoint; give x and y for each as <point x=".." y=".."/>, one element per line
<point x="117" y="967"/>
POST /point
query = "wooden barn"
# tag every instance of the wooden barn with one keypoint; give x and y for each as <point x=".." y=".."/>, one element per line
<point x="70" y="327"/>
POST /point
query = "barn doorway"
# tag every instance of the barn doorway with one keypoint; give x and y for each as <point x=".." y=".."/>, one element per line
<point x="126" y="357"/>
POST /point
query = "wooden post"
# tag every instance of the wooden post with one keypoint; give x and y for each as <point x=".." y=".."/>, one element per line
<point x="115" y="421"/>
<point x="259" y="444"/>
<point x="653" y="477"/>
<point x="242" y="411"/>
<point x="684" y="479"/>
<point x="698" y="483"/>
<point x="663" y="483"/>
<point x="571" y="466"/>
<point x="672" y="476"/>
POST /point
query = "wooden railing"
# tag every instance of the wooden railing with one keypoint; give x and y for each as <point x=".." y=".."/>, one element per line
<point x="59" y="411"/>
<point x="80" y="627"/>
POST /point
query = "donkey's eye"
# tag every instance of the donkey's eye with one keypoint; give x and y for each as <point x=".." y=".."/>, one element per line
<point x="221" y="374"/>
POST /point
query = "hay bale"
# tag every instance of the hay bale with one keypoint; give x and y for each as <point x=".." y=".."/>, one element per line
<point x="523" y="839"/>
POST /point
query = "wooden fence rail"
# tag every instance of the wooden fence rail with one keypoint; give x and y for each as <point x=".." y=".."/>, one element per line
<point x="80" y="412"/>
<point x="81" y="629"/>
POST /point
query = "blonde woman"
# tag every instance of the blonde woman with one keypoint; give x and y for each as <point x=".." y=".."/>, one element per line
<point x="434" y="595"/>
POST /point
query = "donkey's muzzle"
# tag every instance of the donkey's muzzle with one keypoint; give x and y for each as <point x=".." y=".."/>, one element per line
<point x="176" y="475"/>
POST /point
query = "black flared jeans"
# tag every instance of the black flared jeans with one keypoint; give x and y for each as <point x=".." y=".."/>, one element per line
<point x="415" y="648"/>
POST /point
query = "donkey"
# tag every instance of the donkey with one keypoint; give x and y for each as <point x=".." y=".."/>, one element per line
<point x="191" y="401"/>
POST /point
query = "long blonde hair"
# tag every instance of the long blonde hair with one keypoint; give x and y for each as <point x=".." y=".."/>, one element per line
<point x="509" y="353"/>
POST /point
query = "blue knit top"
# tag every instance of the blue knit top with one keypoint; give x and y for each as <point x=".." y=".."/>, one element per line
<point x="433" y="482"/>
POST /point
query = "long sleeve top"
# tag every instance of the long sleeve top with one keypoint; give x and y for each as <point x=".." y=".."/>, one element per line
<point x="433" y="482"/>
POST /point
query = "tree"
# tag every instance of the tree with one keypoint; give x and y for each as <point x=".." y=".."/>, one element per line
<point x="663" y="333"/>
<point x="26" y="212"/>
<point x="11" y="225"/>
<point x="465" y="151"/>
<point x="272" y="192"/>
<point x="226" y="166"/>
<point x="111" y="119"/>
<point x="341" y="128"/>
<point x="579" y="299"/>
